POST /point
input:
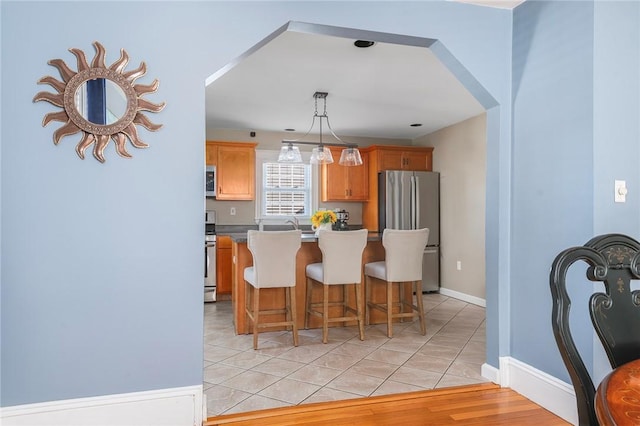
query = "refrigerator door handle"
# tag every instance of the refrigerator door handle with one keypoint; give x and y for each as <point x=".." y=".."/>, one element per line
<point x="416" y="203"/>
<point x="393" y="202"/>
<point x="412" y="203"/>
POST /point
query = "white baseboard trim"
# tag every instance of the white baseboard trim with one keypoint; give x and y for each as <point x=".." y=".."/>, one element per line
<point x="490" y="373"/>
<point x="543" y="389"/>
<point x="171" y="407"/>
<point x="464" y="297"/>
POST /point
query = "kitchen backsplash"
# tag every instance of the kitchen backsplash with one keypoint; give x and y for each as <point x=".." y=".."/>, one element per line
<point x="245" y="211"/>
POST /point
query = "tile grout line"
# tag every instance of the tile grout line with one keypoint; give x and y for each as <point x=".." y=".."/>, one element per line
<point x="465" y="345"/>
<point x="440" y="303"/>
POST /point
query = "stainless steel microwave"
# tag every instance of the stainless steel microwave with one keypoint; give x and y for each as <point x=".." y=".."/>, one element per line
<point x="210" y="179"/>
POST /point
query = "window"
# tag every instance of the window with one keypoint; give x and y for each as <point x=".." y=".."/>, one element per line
<point x="286" y="190"/>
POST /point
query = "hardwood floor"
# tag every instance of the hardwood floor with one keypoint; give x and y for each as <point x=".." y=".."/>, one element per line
<point x="483" y="404"/>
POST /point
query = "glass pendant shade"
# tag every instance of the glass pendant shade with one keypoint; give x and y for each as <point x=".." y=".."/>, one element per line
<point x="321" y="155"/>
<point x="290" y="154"/>
<point x="350" y="157"/>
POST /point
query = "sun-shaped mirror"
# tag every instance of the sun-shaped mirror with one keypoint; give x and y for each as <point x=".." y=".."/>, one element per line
<point x="101" y="102"/>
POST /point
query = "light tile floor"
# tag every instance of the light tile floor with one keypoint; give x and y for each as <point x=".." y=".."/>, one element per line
<point x="238" y="378"/>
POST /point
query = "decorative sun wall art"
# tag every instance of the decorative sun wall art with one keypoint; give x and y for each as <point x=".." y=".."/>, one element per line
<point x="101" y="102"/>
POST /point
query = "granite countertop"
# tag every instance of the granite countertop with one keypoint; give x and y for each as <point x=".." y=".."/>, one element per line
<point x="241" y="237"/>
<point x="238" y="233"/>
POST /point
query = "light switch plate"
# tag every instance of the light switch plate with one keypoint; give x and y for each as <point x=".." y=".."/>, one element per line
<point x="620" y="194"/>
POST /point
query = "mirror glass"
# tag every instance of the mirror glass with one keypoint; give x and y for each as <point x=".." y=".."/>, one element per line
<point x="101" y="101"/>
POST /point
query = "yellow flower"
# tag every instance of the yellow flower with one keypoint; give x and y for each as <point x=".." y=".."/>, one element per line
<point x="323" y="216"/>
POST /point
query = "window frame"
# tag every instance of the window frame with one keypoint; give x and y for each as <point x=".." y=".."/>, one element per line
<point x="270" y="156"/>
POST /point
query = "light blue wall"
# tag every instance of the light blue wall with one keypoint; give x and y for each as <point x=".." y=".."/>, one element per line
<point x="575" y="130"/>
<point x="616" y="120"/>
<point x="616" y="125"/>
<point x="552" y="199"/>
<point x="101" y="263"/>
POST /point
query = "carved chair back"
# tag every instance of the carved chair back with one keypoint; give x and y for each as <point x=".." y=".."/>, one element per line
<point x="613" y="259"/>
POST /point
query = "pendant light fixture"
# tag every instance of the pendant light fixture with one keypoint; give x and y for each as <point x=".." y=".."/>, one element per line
<point x="290" y="154"/>
<point x="320" y="154"/>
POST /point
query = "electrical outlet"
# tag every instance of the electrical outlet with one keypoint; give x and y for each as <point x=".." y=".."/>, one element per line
<point x="232" y="212"/>
<point x="459" y="265"/>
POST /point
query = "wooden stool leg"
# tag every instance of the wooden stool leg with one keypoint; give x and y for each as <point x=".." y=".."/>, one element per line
<point x="345" y="301"/>
<point x="401" y="300"/>
<point x="287" y="308"/>
<point x="367" y="299"/>
<point x="389" y="309"/>
<point x="247" y="306"/>
<point x="307" y="313"/>
<point x="291" y="292"/>
<point x="423" y="322"/>
<point x="325" y="313"/>
<point x="256" y="314"/>
<point x="357" y="289"/>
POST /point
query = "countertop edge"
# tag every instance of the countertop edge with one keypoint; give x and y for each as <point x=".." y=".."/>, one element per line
<point x="241" y="237"/>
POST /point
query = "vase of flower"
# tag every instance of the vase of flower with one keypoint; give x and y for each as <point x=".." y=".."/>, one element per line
<point x="325" y="226"/>
<point x="323" y="219"/>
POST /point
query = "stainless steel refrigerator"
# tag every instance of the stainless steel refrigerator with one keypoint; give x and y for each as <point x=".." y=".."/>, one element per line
<point x="411" y="200"/>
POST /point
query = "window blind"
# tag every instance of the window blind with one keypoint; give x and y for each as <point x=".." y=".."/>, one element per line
<point x="286" y="189"/>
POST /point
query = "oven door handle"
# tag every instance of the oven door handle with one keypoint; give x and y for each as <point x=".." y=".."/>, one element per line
<point x="210" y="245"/>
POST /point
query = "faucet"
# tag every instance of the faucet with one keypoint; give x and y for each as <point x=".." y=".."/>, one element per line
<point x="294" y="222"/>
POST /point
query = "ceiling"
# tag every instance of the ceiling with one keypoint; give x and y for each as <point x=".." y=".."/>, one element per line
<point x="372" y="92"/>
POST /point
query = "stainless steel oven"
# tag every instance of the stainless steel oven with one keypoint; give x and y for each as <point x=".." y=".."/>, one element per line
<point x="210" y="256"/>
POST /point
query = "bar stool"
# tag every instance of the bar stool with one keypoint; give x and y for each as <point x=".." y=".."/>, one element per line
<point x="274" y="266"/>
<point x="341" y="265"/>
<point x="403" y="263"/>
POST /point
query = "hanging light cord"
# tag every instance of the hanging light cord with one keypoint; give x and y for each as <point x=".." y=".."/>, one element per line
<point x="313" y="121"/>
<point x="324" y="114"/>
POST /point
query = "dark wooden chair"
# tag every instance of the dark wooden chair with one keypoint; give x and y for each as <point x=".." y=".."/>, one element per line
<point x="615" y="260"/>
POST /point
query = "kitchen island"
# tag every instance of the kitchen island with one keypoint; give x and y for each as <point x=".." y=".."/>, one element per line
<point x="273" y="298"/>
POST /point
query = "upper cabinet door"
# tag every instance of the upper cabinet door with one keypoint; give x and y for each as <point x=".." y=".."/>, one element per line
<point x="211" y="154"/>
<point x="404" y="158"/>
<point x="235" y="170"/>
<point x="344" y="183"/>
<point x="417" y="160"/>
<point x="390" y="159"/>
<point x="359" y="179"/>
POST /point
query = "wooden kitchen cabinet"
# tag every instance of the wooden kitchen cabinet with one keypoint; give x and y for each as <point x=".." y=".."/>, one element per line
<point x="235" y="169"/>
<point x="223" y="264"/>
<point x="403" y="158"/>
<point x="211" y="154"/>
<point x="391" y="158"/>
<point x="344" y="183"/>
